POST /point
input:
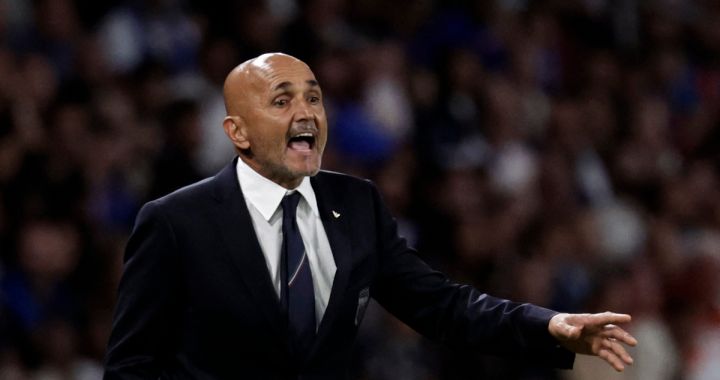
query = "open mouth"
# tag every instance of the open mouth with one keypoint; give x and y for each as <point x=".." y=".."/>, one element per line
<point x="302" y="141"/>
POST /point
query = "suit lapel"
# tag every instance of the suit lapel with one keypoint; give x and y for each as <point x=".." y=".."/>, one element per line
<point x="336" y="228"/>
<point x="244" y="249"/>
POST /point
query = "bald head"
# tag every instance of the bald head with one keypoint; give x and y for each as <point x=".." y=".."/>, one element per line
<point x="247" y="80"/>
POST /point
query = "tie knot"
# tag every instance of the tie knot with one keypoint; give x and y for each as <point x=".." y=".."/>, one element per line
<point x="289" y="204"/>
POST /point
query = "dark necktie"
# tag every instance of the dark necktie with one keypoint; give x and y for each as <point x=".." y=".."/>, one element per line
<point x="298" y="296"/>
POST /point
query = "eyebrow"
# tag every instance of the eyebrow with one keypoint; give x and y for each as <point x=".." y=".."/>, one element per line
<point x="285" y="85"/>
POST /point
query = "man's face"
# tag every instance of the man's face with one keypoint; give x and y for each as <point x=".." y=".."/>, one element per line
<point x="281" y="111"/>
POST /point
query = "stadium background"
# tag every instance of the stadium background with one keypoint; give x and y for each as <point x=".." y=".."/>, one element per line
<point x="565" y="153"/>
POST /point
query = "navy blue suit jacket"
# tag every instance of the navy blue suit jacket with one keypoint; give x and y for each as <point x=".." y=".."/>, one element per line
<point x="196" y="301"/>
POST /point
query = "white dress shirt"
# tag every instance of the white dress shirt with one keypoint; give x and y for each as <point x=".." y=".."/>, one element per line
<point x="263" y="198"/>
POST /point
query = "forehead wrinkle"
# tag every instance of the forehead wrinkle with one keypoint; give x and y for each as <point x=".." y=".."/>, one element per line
<point x="287" y="85"/>
<point x="283" y="86"/>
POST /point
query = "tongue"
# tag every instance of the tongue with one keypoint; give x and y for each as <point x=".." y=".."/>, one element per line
<point x="300" y="145"/>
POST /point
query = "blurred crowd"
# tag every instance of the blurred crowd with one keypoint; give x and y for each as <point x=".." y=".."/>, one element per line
<point x="565" y="153"/>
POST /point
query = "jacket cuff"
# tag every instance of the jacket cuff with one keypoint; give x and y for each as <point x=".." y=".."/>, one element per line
<point x="548" y="349"/>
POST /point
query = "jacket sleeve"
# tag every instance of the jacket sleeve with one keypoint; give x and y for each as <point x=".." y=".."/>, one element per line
<point x="143" y="328"/>
<point x="457" y="315"/>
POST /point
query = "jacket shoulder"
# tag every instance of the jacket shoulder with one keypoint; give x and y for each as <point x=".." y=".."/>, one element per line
<point x="342" y="180"/>
<point x="198" y="189"/>
<point x="190" y="194"/>
<point x="339" y="188"/>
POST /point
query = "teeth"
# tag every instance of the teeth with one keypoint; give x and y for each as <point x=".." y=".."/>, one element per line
<point x="306" y="134"/>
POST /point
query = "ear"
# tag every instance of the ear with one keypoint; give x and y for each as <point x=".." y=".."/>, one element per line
<point x="236" y="131"/>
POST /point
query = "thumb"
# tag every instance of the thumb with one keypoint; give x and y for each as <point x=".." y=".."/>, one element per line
<point x="573" y="332"/>
<point x="566" y="330"/>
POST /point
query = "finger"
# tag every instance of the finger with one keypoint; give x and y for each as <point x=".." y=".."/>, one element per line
<point x="618" y="350"/>
<point x="612" y="359"/>
<point x="607" y="318"/>
<point x="620" y="335"/>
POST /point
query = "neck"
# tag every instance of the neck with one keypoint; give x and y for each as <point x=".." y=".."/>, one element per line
<point x="289" y="184"/>
<point x="285" y="180"/>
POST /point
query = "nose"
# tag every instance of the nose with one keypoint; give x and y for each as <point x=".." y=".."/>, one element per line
<point x="304" y="112"/>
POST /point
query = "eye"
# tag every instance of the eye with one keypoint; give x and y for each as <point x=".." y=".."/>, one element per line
<point x="280" y="102"/>
<point x="314" y="99"/>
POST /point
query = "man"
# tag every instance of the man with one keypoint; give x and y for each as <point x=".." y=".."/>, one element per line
<point x="264" y="271"/>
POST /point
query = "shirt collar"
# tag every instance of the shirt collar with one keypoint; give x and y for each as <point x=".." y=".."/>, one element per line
<point x="266" y="195"/>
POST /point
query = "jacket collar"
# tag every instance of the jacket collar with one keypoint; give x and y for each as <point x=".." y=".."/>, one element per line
<point x="266" y="195"/>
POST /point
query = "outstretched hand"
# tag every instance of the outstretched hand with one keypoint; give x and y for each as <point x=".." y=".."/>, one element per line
<point x="595" y="334"/>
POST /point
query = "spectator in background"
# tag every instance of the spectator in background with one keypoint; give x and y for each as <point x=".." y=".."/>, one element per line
<point x="37" y="290"/>
<point x="176" y="165"/>
<point x="158" y="30"/>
